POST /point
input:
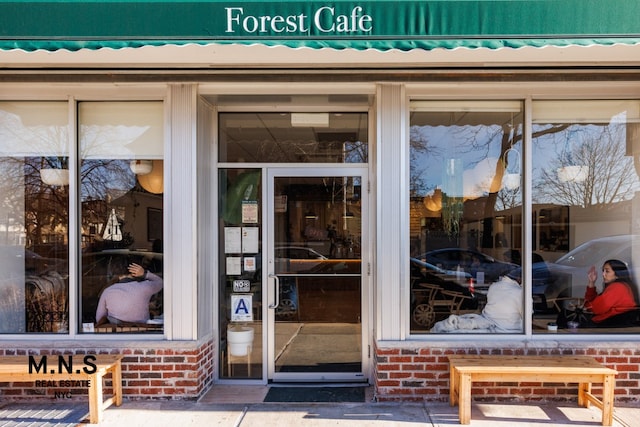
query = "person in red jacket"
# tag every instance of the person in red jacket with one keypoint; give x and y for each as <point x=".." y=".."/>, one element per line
<point x="617" y="305"/>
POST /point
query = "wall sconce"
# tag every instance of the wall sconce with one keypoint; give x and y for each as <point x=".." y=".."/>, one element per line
<point x="153" y="180"/>
<point x="573" y="173"/>
<point x="141" y="167"/>
<point x="311" y="215"/>
<point x="54" y="171"/>
<point x="55" y="177"/>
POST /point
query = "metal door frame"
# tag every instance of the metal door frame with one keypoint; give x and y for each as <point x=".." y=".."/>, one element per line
<point x="268" y="269"/>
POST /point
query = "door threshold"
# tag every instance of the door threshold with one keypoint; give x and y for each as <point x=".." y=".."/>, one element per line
<point x="318" y="384"/>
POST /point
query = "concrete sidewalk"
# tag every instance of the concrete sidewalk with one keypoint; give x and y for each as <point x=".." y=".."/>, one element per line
<point x="357" y="415"/>
<point x="242" y="406"/>
<point x="183" y="414"/>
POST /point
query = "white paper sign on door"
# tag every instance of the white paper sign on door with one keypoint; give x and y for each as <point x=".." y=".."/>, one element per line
<point x="250" y="240"/>
<point x="234" y="266"/>
<point x="232" y="240"/>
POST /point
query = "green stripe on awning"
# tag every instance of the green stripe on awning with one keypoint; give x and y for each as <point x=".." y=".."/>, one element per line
<point x="339" y="24"/>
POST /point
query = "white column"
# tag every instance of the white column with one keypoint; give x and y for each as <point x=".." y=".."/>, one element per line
<point x="391" y="212"/>
<point x="180" y="217"/>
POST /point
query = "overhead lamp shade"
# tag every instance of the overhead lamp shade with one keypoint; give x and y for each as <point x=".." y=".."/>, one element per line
<point x="56" y="177"/>
<point x="434" y="202"/>
<point x="153" y="181"/>
<point x="310" y="120"/>
<point x="141" y="167"/>
<point x="511" y="181"/>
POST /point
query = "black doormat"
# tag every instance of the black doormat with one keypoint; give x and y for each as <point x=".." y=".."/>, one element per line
<point x="315" y="394"/>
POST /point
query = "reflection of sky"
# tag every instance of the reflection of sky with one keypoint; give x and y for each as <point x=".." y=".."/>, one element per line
<point x="465" y="154"/>
<point x="571" y="145"/>
<point x="474" y="150"/>
<point x="102" y="178"/>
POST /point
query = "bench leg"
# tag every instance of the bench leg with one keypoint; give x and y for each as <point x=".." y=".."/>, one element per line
<point x="116" y="379"/>
<point x="464" y="398"/>
<point x="608" y="387"/>
<point x="583" y="390"/>
<point x="95" y="397"/>
<point x="453" y="385"/>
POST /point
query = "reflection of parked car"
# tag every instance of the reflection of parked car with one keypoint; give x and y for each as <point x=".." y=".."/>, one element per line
<point x="437" y="293"/>
<point x="297" y="259"/>
<point x="298" y="252"/>
<point x="569" y="272"/>
<point x="13" y="257"/>
<point x="101" y="269"/>
<point x="541" y="276"/>
<point x="423" y="272"/>
<point x="470" y="261"/>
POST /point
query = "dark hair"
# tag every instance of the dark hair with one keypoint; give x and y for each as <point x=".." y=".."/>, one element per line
<point x="622" y="273"/>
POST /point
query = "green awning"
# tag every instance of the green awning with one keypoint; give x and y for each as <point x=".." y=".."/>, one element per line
<point x="405" y="25"/>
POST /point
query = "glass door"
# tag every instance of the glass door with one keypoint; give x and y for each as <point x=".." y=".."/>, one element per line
<point x="315" y="274"/>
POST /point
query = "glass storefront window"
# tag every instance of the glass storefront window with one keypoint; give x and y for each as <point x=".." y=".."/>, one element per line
<point x="465" y="216"/>
<point x="121" y="193"/>
<point x="293" y="137"/>
<point x="34" y="217"/>
<point x="240" y="264"/>
<point x="585" y="188"/>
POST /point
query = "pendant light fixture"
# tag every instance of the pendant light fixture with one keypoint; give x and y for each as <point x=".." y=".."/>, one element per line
<point x="153" y="181"/>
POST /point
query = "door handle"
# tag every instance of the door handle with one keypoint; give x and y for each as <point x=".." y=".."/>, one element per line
<point x="277" y="290"/>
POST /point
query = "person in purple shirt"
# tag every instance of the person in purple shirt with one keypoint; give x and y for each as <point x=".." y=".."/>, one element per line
<point x="128" y="300"/>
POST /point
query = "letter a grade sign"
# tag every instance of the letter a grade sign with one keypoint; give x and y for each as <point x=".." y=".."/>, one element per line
<point x="241" y="308"/>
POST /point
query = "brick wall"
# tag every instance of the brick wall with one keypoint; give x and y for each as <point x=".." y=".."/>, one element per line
<point x="153" y="370"/>
<point x="421" y="372"/>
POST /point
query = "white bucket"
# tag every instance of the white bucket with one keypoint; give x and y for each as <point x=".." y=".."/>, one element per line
<point x="240" y="340"/>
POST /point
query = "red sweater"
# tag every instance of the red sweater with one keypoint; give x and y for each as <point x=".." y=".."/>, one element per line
<point x="616" y="298"/>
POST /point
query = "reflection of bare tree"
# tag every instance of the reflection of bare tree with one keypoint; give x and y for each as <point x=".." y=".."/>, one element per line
<point x="11" y="201"/>
<point x="510" y="137"/>
<point x="44" y="209"/>
<point x="301" y="151"/>
<point x="100" y="178"/>
<point x="611" y="176"/>
<point x="418" y="143"/>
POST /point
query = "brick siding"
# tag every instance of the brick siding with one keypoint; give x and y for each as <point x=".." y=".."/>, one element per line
<point x="421" y="372"/>
<point x="158" y="370"/>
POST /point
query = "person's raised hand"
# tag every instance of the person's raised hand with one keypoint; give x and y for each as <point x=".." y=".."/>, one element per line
<point x="136" y="270"/>
<point x="592" y="275"/>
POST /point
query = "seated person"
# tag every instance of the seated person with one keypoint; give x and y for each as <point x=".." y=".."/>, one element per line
<point x="502" y="313"/>
<point x="617" y="305"/>
<point x="128" y="300"/>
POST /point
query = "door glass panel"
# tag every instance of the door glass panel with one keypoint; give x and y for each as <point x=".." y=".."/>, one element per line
<point x="240" y="280"/>
<point x="317" y="262"/>
<point x="293" y="137"/>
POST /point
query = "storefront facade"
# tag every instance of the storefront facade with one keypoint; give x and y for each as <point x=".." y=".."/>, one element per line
<point x="317" y="188"/>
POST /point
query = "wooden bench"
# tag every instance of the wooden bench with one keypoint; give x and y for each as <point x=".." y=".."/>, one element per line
<point x="57" y="369"/>
<point x="584" y="370"/>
